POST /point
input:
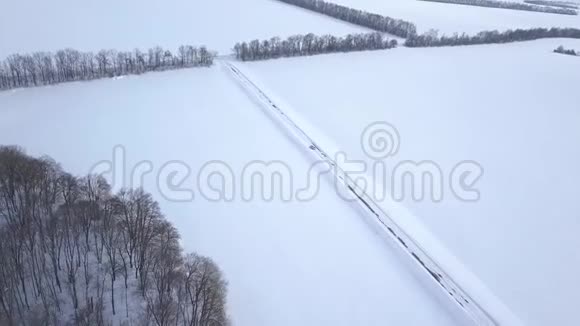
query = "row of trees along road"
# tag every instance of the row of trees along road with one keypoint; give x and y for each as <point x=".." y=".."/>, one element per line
<point x="45" y="68"/>
<point x="310" y="44"/>
<point x="73" y="253"/>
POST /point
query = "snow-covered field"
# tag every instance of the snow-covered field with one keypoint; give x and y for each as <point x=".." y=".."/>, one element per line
<point x="31" y="25"/>
<point x="288" y="263"/>
<point x="513" y="108"/>
<point x="451" y="18"/>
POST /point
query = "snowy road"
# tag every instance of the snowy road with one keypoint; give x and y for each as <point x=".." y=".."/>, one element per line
<point x="399" y="237"/>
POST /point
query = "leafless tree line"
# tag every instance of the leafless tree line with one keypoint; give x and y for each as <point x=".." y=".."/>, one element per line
<point x="560" y="4"/>
<point x="373" y="21"/>
<point x="45" y="68"/>
<point x="510" y="5"/>
<point x="68" y="245"/>
<point x="563" y="50"/>
<point x="432" y="39"/>
<point x="310" y="44"/>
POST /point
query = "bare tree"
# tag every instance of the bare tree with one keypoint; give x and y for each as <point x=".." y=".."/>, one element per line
<point x="110" y="236"/>
<point x="165" y="264"/>
<point x="204" y="292"/>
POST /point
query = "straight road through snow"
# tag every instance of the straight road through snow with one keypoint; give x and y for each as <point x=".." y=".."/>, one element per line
<point x="400" y="238"/>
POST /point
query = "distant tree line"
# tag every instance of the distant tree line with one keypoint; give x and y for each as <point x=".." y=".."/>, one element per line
<point x="431" y="39"/>
<point x="310" y="44"/>
<point x="510" y="5"/>
<point x="73" y="253"/>
<point x="45" y="68"/>
<point x="366" y="19"/>
<point x="552" y="3"/>
<point x="563" y="50"/>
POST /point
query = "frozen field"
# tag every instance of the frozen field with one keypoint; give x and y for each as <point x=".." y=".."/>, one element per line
<point x="312" y="263"/>
<point x="450" y="18"/>
<point x="512" y="108"/>
<point x="31" y="25"/>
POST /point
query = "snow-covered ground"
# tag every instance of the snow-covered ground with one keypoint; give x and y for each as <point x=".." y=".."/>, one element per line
<point x="32" y="25"/>
<point x="287" y="263"/>
<point x="513" y="108"/>
<point x="451" y="18"/>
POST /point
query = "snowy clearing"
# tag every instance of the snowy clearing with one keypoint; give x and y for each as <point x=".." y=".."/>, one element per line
<point x="95" y="25"/>
<point x="514" y="111"/>
<point x="451" y="18"/>
<point x="287" y="263"/>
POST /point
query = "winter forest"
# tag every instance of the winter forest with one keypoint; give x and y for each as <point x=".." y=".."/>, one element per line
<point x="73" y="253"/>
